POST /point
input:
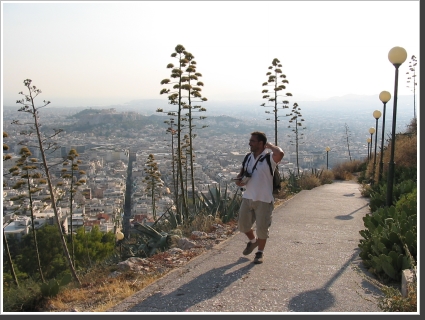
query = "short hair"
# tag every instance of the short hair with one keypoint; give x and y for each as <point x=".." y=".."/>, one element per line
<point x="261" y="136"/>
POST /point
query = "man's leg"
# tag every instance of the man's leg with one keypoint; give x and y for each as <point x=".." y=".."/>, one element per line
<point x="250" y="234"/>
<point x="261" y="244"/>
<point x="264" y="220"/>
<point x="245" y="222"/>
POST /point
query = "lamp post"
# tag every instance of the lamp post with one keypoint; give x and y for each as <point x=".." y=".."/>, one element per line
<point x="371" y="131"/>
<point x="118" y="237"/>
<point x="327" y="157"/>
<point x="397" y="56"/>
<point x="368" y="145"/>
<point x="384" y="96"/>
<point x="376" y="115"/>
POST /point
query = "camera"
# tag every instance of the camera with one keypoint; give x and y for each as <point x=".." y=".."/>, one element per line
<point x="245" y="177"/>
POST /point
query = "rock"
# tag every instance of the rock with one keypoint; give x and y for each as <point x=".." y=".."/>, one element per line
<point x="133" y="263"/>
<point x="176" y="232"/>
<point x="199" y="234"/>
<point x="175" y="251"/>
<point x="407" y="276"/>
<point x="186" y="244"/>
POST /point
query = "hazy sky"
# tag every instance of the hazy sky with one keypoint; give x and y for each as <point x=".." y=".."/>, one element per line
<point x="101" y="53"/>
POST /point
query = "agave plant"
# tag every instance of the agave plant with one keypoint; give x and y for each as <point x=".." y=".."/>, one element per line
<point x="219" y="205"/>
<point x="152" y="240"/>
<point x="293" y="182"/>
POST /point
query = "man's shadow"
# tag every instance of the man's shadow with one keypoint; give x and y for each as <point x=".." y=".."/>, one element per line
<point x="199" y="289"/>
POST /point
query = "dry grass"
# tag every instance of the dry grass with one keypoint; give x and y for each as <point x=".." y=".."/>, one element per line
<point x="327" y="177"/>
<point x="105" y="289"/>
<point x="405" y="153"/>
<point x="309" y="181"/>
<point x="200" y="223"/>
<point x="345" y="170"/>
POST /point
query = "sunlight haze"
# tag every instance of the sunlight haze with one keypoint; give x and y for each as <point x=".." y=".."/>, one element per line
<point x="101" y="53"/>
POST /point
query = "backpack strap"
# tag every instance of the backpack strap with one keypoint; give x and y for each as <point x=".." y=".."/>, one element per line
<point x="246" y="158"/>
<point x="267" y="157"/>
<point x="269" y="162"/>
<point x="255" y="165"/>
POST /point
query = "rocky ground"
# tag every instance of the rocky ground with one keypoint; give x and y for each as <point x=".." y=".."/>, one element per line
<point x="133" y="274"/>
<point x="185" y="250"/>
<point x="98" y="295"/>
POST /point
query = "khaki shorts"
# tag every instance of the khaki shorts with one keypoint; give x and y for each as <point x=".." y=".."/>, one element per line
<point x="257" y="212"/>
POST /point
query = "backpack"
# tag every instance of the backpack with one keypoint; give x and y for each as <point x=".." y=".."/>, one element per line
<point x="276" y="175"/>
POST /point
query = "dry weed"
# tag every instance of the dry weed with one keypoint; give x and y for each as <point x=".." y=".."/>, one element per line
<point x="345" y="170"/>
<point x="309" y="181"/>
<point x="326" y="177"/>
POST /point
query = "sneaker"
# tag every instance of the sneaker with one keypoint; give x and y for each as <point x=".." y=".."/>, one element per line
<point x="250" y="247"/>
<point x="259" y="256"/>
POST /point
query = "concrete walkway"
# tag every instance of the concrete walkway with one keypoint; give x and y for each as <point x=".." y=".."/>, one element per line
<point x="308" y="265"/>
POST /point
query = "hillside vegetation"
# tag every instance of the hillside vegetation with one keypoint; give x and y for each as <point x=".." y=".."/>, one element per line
<point x="389" y="242"/>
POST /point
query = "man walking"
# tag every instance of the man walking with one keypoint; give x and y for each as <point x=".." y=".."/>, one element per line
<point x="257" y="199"/>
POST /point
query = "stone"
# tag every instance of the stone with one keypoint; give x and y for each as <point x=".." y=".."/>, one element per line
<point x="407" y="276"/>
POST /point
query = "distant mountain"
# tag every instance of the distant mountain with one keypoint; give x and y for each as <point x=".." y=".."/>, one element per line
<point x="350" y="105"/>
<point x="228" y="107"/>
<point x="358" y="103"/>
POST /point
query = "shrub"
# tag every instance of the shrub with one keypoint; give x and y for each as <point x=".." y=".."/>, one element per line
<point x="200" y="222"/>
<point x="309" y="181"/>
<point x="345" y="170"/>
<point x="340" y="173"/>
<point x="361" y="178"/>
<point x="405" y="151"/>
<point x="24" y="298"/>
<point x="326" y="177"/>
<point x="365" y="190"/>
<point x="393" y="301"/>
<point x="292" y="183"/>
<point x="378" y="194"/>
<point x="389" y="243"/>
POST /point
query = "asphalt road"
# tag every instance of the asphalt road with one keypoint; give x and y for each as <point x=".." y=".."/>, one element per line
<point x="310" y="263"/>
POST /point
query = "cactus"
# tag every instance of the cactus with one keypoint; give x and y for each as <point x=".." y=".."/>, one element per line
<point x="389" y="243"/>
<point x="51" y="288"/>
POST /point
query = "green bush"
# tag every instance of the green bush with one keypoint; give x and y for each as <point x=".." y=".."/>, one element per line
<point x="378" y="193"/>
<point x="361" y="178"/>
<point x="365" y="189"/>
<point x="51" y="288"/>
<point x="23" y="298"/>
<point x="389" y="241"/>
<point x="293" y="183"/>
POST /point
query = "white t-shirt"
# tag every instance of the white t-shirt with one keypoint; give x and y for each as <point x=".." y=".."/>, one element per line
<point x="260" y="186"/>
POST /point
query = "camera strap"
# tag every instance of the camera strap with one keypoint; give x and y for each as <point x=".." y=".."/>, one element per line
<point x="260" y="158"/>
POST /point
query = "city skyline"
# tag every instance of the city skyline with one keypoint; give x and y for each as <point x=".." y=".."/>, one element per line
<point x="104" y="53"/>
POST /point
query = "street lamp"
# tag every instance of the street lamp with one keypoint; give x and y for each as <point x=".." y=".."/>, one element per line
<point x="327" y="157"/>
<point x="371" y="131"/>
<point x="397" y="56"/>
<point x="368" y="145"/>
<point x="384" y="96"/>
<point x="118" y="237"/>
<point x="376" y="115"/>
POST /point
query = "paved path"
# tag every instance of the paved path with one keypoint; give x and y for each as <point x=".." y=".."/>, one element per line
<point x="308" y="265"/>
